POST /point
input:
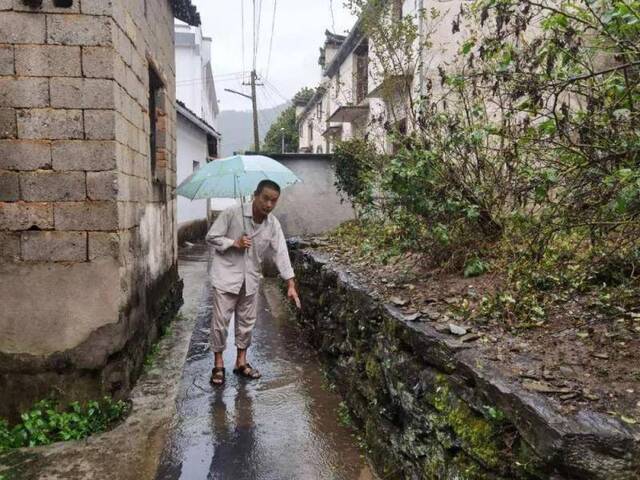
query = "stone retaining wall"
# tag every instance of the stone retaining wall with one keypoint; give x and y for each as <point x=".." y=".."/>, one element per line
<point x="430" y="408"/>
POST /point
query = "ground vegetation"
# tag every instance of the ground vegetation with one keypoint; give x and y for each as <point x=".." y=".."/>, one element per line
<point x="519" y="181"/>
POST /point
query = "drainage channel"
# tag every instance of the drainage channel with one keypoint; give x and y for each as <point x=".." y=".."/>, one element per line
<point x="282" y="426"/>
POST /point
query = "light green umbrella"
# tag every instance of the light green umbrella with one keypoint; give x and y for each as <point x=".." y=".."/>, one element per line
<point x="236" y="176"/>
<point x="233" y="177"/>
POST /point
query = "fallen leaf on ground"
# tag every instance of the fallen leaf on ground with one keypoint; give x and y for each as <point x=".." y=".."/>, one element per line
<point x="413" y="316"/>
<point x="543" y="387"/>
<point x="457" y="330"/>
<point x="629" y="420"/>
<point x="401" y="302"/>
<point x="469" y="337"/>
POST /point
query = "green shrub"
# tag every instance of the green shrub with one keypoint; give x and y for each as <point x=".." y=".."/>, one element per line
<point x="47" y="423"/>
<point x="527" y="153"/>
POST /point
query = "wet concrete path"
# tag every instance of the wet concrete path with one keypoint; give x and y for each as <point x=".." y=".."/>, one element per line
<point x="280" y="427"/>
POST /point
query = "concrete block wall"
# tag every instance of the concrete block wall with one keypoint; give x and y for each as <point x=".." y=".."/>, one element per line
<point x="88" y="250"/>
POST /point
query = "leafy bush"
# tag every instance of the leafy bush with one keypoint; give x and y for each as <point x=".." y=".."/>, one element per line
<point x="526" y="145"/>
<point x="356" y="163"/>
<point x="46" y="423"/>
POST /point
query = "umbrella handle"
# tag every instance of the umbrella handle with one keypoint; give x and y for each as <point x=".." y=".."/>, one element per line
<point x="244" y="220"/>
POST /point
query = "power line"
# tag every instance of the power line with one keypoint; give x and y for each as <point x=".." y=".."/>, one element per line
<point x="215" y="77"/>
<point x="242" y="31"/>
<point x="200" y="82"/>
<point x="258" y="27"/>
<point x="333" y="18"/>
<point x="275" y="90"/>
<point x="254" y="35"/>
<point x="273" y="26"/>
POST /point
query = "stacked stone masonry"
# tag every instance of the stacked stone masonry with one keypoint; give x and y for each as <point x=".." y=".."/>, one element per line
<point x="430" y="407"/>
<point x="87" y="230"/>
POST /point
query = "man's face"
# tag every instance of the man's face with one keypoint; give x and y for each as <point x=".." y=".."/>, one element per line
<point x="266" y="200"/>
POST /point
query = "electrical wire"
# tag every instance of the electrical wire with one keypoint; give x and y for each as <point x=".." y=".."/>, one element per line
<point x="254" y="35"/>
<point x="273" y="26"/>
<point x="220" y="76"/>
<point x="242" y="32"/>
<point x="258" y="28"/>
<point x="276" y="91"/>
<point x="333" y="18"/>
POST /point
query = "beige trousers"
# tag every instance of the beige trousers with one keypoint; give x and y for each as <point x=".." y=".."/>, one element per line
<point x="225" y="305"/>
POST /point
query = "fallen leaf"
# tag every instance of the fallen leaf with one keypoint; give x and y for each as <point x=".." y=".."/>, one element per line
<point x="413" y="317"/>
<point x="530" y="374"/>
<point x="401" y="302"/>
<point x="629" y="420"/>
<point x="569" y="396"/>
<point x="457" y="330"/>
<point x="602" y="356"/>
<point x="470" y="337"/>
<point x="543" y="387"/>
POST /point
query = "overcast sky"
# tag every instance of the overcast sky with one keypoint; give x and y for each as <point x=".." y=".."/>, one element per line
<point x="298" y="33"/>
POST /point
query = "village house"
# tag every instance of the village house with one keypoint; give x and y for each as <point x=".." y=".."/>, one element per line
<point x="88" y="256"/>
<point x="361" y="96"/>
<point x="198" y="137"/>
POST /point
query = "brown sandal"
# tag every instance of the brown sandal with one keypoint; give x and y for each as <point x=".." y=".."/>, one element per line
<point x="217" y="376"/>
<point x="247" y="371"/>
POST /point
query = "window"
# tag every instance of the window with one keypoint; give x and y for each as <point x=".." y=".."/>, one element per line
<point x="310" y="132"/>
<point x="212" y="146"/>
<point x="319" y="149"/>
<point x="362" y="77"/>
<point x="396" y="9"/>
<point x="319" y="110"/>
<point x="196" y="165"/>
<point x="155" y="90"/>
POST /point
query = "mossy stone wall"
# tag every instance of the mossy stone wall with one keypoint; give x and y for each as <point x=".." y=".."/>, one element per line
<point x="428" y="408"/>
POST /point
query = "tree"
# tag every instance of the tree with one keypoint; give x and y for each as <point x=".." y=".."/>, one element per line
<point x="285" y="125"/>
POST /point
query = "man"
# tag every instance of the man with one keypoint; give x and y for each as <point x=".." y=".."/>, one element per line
<point x="241" y="238"/>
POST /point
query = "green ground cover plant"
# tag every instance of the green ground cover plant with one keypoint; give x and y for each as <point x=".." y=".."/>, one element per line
<point x="47" y="422"/>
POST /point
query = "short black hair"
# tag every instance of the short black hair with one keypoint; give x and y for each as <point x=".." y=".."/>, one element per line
<point x="267" y="184"/>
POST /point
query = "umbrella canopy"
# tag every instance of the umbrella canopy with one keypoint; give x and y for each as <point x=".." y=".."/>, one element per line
<point x="235" y="176"/>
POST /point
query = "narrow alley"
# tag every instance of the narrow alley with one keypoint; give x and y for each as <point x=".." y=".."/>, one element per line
<point x="283" y="426"/>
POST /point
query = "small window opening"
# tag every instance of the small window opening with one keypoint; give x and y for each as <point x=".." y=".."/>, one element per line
<point x="155" y="87"/>
<point x="212" y="146"/>
<point x="396" y="9"/>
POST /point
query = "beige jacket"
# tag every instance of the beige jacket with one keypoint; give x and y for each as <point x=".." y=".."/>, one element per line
<point x="232" y="267"/>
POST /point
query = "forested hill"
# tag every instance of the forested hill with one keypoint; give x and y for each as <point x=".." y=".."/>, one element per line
<point x="237" y="127"/>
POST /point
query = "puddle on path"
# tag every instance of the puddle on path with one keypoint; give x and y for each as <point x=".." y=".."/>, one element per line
<point x="283" y="426"/>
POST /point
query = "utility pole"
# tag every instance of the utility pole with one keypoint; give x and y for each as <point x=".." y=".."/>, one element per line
<point x="254" y="102"/>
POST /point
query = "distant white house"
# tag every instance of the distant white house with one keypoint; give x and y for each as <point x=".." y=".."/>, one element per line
<point x="198" y="138"/>
<point x="357" y="98"/>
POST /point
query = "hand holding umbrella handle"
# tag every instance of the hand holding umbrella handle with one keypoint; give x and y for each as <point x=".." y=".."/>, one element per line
<point x="243" y="243"/>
